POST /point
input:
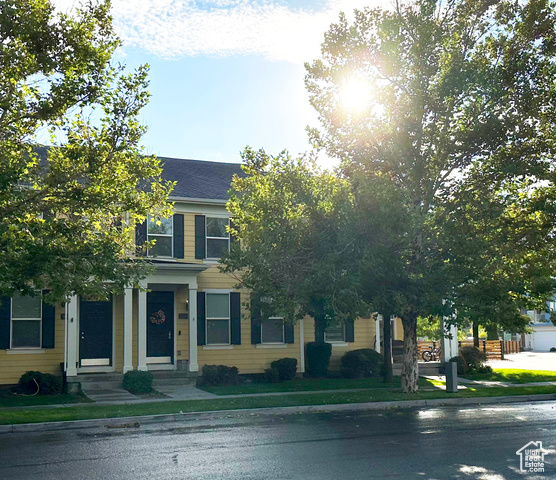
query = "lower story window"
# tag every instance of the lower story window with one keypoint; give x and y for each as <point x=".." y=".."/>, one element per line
<point x="26" y="318"/>
<point x="272" y="330"/>
<point x="335" y="333"/>
<point x="218" y="318"/>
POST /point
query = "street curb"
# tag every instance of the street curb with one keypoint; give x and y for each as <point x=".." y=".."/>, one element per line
<point x="126" y="422"/>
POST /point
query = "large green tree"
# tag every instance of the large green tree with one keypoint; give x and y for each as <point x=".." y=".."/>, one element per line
<point x="67" y="213"/>
<point x="296" y="244"/>
<point x="446" y="93"/>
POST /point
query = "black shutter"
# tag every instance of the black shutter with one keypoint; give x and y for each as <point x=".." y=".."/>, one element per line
<point x="200" y="237"/>
<point x="140" y="237"/>
<point x="201" y="319"/>
<point x="5" y="323"/>
<point x="178" y="235"/>
<point x="48" y="324"/>
<point x="235" y="317"/>
<point x="350" y="331"/>
<point x="255" y="319"/>
<point x="288" y="332"/>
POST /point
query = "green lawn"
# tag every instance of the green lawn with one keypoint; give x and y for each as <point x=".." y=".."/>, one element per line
<point x="513" y="375"/>
<point x="371" y="395"/>
<point x="312" y="384"/>
<point x="7" y="399"/>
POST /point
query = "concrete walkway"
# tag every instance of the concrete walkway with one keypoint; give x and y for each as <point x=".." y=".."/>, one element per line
<point x="527" y="361"/>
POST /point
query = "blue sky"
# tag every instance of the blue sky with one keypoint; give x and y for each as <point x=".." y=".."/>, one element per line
<point x="225" y="73"/>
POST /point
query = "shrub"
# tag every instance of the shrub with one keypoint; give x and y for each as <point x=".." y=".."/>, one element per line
<point x="272" y="375"/>
<point x="553" y="349"/>
<point x="318" y="358"/>
<point x="138" y="382"/>
<point x="471" y="360"/>
<point x="220" y="375"/>
<point x="362" y="363"/>
<point x="286" y="367"/>
<point x="47" y="384"/>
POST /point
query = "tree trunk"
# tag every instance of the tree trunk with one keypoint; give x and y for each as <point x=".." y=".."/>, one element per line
<point x="476" y="334"/>
<point x="410" y="367"/>
<point x="320" y="322"/>
<point x="387" y="342"/>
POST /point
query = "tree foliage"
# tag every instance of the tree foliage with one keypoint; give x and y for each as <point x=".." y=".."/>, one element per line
<point x="67" y="213"/>
<point x="297" y="241"/>
<point x="459" y="115"/>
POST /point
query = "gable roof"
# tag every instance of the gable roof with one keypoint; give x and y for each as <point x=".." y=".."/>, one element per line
<point x="199" y="179"/>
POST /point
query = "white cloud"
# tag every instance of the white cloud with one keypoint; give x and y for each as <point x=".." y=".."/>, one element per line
<point x="182" y="28"/>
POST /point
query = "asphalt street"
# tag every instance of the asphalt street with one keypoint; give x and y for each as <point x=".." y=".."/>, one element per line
<point x="433" y="443"/>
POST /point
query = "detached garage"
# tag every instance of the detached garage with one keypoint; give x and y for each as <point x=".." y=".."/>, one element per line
<point x="544" y="337"/>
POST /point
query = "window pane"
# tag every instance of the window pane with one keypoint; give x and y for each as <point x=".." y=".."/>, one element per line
<point x="161" y="226"/>
<point x="216" y="247"/>
<point x="216" y="227"/>
<point x="272" y="330"/>
<point x="218" y="305"/>
<point x="335" y="334"/>
<point x="26" y="333"/>
<point x="26" y="307"/>
<point x="218" y="332"/>
<point x="162" y="247"/>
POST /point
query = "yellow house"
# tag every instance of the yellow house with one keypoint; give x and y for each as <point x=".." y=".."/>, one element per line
<point x="187" y="313"/>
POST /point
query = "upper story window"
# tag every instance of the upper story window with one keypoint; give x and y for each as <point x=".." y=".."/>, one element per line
<point x="26" y="317"/>
<point x="161" y="230"/>
<point x="217" y="236"/>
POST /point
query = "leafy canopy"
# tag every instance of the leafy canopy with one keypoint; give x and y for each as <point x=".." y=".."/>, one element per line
<point x="67" y="213"/>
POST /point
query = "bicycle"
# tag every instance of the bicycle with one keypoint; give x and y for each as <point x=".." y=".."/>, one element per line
<point x="433" y="354"/>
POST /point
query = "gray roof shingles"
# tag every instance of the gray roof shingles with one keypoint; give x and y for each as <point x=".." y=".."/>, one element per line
<point x="198" y="178"/>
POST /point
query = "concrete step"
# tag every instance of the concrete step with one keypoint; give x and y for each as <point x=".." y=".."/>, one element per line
<point x="90" y="386"/>
<point x="161" y="374"/>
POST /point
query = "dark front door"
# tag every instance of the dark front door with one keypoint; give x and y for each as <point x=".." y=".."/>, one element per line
<point x="160" y="326"/>
<point x="95" y="333"/>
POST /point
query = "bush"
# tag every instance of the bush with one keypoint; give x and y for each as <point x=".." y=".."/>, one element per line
<point x="214" y="375"/>
<point x="553" y="349"/>
<point x="138" y="382"/>
<point x="318" y="358"/>
<point x="272" y="375"/>
<point x="46" y="383"/>
<point x="286" y="367"/>
<point x="362" y="363"/>
<point x="471" y="360"/>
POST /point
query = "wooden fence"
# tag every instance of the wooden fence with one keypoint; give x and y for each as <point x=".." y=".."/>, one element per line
<point x="494" y="349"/>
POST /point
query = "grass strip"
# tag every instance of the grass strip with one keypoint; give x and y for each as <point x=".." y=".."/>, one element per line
<point x="311" y="384"/>
<point x="514" y="375"/>
<point x="9" y="400"/>
<point x="371" y="395"/>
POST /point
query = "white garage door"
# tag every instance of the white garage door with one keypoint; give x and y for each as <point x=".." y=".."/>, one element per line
<point x="545" y="340"/>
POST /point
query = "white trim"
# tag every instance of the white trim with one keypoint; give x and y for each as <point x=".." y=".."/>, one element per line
<point x="158" y="360"/>
<point x="377" y="332"/>
<point x="339" y="344"/>
<point x="96" y="369"/>
<point x="218" y="347"/>
<point x="73" y="335"/>
<point x="128" y="330"/>
<point x="142" y="330"/>
<point x="301" y="347"/>
<point x="271" y="345"/>
<point x="95" y="362"/>
<point x="24" y="351"/>
<point x="192" y="320"/>
<point x="218" y="290"/>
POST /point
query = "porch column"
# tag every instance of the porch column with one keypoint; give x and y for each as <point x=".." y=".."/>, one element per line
<point x="377" y="333"/>
<point x="394" y="323"/>
<point x="193" y="362"/>
<point x="128" y="326"/>
<point x="142" y="331"/>
<point x="301" y="347"/>
<point x="449" y="345"/>
<point x="72" y="336"/>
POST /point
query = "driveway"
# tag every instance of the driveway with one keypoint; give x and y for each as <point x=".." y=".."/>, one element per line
<point x="527" y="361"/>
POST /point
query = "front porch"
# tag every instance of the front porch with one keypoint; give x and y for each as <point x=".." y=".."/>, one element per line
<point x="149" y="328"/>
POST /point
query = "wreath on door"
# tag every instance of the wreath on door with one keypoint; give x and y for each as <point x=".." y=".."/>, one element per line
<point x="157" y="318"/>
